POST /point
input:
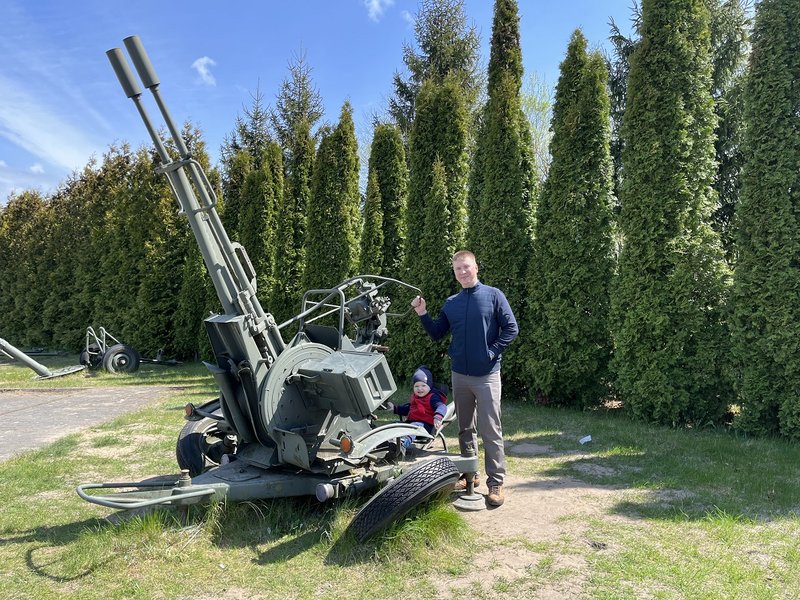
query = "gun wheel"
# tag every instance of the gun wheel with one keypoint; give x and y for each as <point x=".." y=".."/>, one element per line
<point x="200" y="443"/>
<point x="121" y="358"/>
<point x="419" y="484"/>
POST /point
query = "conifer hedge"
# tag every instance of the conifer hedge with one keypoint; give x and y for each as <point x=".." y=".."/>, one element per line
<point x="766" y="293"/>
<point x="570" y="273"/>
<point x="669" y="297"/>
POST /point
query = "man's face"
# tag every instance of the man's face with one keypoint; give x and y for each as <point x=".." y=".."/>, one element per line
<point x="466" y="271"/>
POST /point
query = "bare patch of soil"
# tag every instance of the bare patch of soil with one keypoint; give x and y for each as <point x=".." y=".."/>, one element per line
<point x="539" y="535"/>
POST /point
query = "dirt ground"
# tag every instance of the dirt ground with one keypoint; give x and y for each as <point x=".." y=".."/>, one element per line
<point x="537" y="514"/>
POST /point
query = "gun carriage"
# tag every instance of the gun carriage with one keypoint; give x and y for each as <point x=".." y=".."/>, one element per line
<point x="292" y="418"/>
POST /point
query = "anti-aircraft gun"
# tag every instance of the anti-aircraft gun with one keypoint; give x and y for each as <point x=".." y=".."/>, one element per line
<point x="294" y="418"/>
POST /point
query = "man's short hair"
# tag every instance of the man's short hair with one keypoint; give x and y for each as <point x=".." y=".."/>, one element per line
<point x="462" y="254"/>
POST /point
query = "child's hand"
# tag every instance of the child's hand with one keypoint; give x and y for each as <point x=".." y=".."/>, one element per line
<point x="437" y="421"/>
<point x="387" y="405"/>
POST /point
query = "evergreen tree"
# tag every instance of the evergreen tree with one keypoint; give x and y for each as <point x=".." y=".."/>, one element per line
<point x="150" y="326"/>
<point x="258" y="223"/>
<point x="440" y="134"/>
<point x="334" y="221"/>
<point x="77" y="245"/>
<point x="766" y="313"/>
<point x="236" y="169"/>
<point x="372" y="235"/>
<point x="667" y="302"/>
<point x="448" y="48"/>
<point x="242" y="151"/>
<point x="569" y="343"/>
<point x="20" y="236"/>
<point x="250" y="134"/>
<point x="506" y="178"/>
<point x="298" y="108"/>
<point x="387" y="161"/>
<point x="729" y="25"/>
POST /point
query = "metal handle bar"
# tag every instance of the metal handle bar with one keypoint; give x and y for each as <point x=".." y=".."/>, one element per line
<point x="120" y="502"/>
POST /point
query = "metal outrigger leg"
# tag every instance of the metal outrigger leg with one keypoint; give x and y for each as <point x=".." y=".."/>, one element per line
<point x="41" y="371"/>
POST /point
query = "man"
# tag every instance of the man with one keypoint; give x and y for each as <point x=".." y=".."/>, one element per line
<point x="482" y="326"/>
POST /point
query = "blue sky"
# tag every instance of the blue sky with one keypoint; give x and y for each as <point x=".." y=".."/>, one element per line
<point x="60" y="103"/>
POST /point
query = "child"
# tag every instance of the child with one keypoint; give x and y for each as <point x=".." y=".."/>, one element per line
<point x="426" y="407"/>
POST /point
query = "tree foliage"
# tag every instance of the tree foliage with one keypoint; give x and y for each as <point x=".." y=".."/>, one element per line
<point x="261" y="196"/>
<point x="570" y="274"/>
<point x="503" y="179"/>
<point x="439" y="135"/>
<point x="334" y="221"/>
<point x="669" y="295"/>
<point x="371" y="257"/>
<point x="447" y="49"/>
<point x="766" y="304"/>
<point x="387" y="162"/>
<point x="298" y="108"/>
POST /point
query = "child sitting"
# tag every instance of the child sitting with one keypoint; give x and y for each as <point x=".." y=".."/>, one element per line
<point x="426" y="407"/>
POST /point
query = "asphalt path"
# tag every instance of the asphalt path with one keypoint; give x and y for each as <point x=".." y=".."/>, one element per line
<point x="32" y="418"/>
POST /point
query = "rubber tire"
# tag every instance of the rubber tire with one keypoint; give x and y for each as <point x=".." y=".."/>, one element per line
<point x="199" y="446"/>
<point x="121" y="358"/>
<point x="420" y="483"/>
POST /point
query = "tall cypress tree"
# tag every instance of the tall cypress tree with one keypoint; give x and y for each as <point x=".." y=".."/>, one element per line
<point x="440" y="134"/>
<point x="766" y="314"/>
<point x="334" y="221"/>
<point x="297" y="110"/>
<point x="570" y="274"/>
<point x="371" y="259"/>
<point x="506" y="177"/>
<point x="387" y="160"/>
<point x="671" y="338"/>
<point x="150" y="323"/>
<point x="257" y="227"/>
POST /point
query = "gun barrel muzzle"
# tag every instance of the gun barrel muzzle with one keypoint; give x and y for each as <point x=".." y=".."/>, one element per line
<point x="141" y="61"/>
<point x="124" y="74"/>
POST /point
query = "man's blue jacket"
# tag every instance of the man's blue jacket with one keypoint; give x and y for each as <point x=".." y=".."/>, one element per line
<point x="482" y="326"/>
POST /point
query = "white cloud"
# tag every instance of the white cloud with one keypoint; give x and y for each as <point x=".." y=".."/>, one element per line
<point x="3" y="163"/>
<point x="41" y="130"/>
<point x="408" y="17"/>
<point x="376" y="8"/>
<point x="37" y="168"/>
<point x="201" y="65"/>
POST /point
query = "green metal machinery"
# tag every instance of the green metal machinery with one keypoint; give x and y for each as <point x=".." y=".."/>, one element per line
<point x="295" y="417"/>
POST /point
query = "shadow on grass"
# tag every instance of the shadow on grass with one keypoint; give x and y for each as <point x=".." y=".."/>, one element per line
<point x="46" y="539"/>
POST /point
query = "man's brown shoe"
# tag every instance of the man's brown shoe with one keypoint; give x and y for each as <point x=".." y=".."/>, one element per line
<point x="496" y="496"/>
<point x="461" y="484"/>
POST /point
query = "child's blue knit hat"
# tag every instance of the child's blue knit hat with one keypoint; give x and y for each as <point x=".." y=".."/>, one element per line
<point x="424" y="375"/>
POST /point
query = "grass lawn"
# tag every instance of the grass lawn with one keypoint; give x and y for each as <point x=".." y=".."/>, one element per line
<point x="639" y="512"/>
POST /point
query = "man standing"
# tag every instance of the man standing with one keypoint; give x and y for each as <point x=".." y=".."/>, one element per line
<point x="482" y="326"/>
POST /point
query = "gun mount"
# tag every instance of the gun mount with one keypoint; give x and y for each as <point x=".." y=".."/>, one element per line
<point x="292" y="418"/>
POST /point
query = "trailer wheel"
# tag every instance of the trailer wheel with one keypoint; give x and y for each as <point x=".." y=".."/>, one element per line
<point x="200" y="443"/>
<point x="415" y="486"/>
<point x="121" y="359"/>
